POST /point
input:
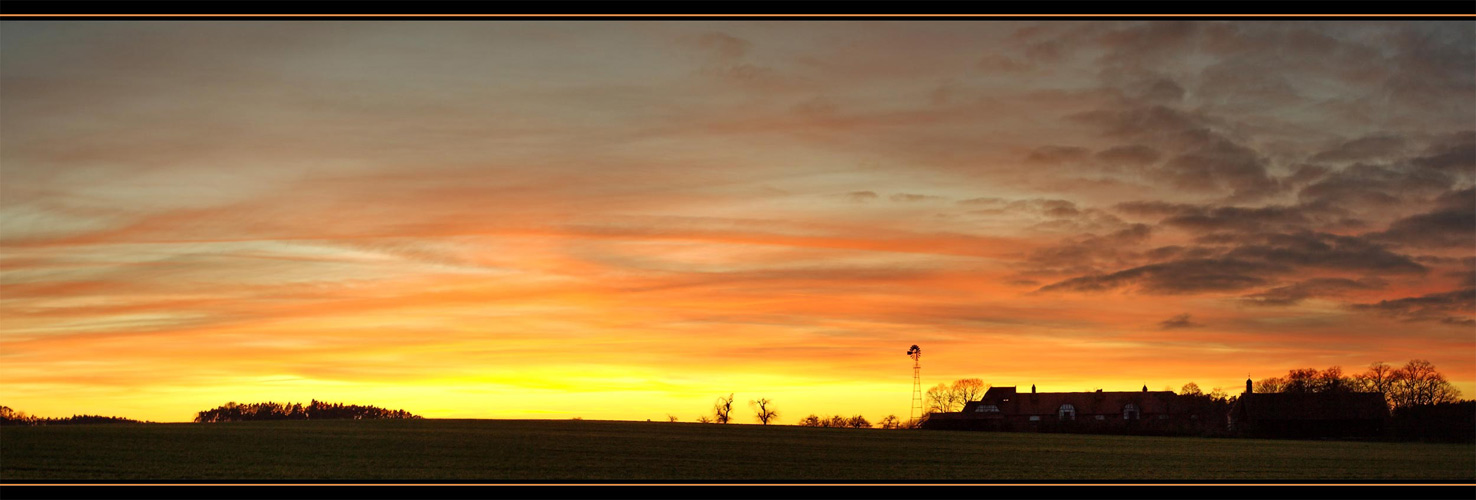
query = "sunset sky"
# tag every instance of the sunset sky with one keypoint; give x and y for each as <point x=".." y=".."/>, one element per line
<point x="624" y="220"/>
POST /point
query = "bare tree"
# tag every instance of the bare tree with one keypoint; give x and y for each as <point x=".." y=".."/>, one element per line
<point x="1301" y="380"/>
<point x="940" y="399"/>
<point x="722" y="409"/>
<point x="1332" y="380"/>
<point x="1417" y="383"/>
<point x="1270" y="385"/>
<point x="810" y="421"/>
<point x="967" y="389"/>
<point x="857" y="422"/>
<point x="1218" y="394"/>
<point x="837" y="421"/>
<point x="1190" y="389"/>
<point x="762" y="410"/>
<point x="1379" y="378"/>
<point x="890" y="422"/>
<point x="704" y="419"/>
<point x="671" y="418"/>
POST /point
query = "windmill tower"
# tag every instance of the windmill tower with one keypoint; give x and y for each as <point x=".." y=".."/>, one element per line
<point x="917" y="394"/>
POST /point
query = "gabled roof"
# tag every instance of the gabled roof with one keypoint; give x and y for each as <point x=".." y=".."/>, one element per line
<point x="1313" y="406"/>
<point x="1094" y="403"/>
<point x="1085" y="403"/>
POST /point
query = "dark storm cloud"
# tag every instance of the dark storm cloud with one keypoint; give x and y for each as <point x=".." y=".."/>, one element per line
<point x="1156" y="208"/>
<point x="1057" y="154"/>
<point x="1178" y="321"/>
<point x="1239" y="219"/>
<point x="1305" y="174"/>
<point x="908" y="198"/>
<point x="1084" y="254"/>
<point x="1453" y="307"/>
<point x="1369" y="186"/>
<point x="1178" y="277"/>
<point x="1208" y="218"/>
<point x="1368" y="148"/>
<point x="1049" y="208"/>
<point x="1452" y="224"/>
<point x="1456" y="154"/>
<point x="1220" y="165"/>
<point x="1327" y="251"/>
<point x="1249" y="260"/>
<point x="1316" y="287"/>
<point x="1205" y="159"/>
<point x="1136" y="154"/>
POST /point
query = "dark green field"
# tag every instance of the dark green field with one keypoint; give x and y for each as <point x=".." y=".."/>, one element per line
<point x="584" y="450"/>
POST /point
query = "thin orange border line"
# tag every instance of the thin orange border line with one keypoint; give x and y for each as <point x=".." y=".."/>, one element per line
<point x="740" y="484"/>
<point x="738" y="15"/>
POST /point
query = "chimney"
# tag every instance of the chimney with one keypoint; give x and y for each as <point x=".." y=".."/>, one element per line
<point x="1032" y="388"/>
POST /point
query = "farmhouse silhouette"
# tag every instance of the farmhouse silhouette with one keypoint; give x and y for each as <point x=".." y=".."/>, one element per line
<point x="1284" y="415"/>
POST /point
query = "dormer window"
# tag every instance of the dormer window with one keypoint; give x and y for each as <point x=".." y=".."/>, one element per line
<point x="1066" y="412"/>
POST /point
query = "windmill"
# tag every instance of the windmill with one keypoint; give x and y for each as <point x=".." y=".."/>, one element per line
<point x="917" y="395"/>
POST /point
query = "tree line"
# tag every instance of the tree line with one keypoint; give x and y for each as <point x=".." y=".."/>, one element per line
<point x="316" y="410"/>
<point x="943" y="398"/>
<point x="1417" y="383"/>
<point x="9" y="416"/>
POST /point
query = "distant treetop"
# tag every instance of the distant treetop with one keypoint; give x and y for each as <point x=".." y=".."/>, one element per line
<point x="316" y="410"/>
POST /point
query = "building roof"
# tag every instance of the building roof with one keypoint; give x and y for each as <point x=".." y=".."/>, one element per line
<point x="1085" y="403"/>
<point x="1313" y="406"/>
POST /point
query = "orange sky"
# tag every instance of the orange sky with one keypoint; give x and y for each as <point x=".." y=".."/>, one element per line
<point x="624" y="220"/>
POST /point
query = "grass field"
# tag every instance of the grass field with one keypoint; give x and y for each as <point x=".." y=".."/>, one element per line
<point x="600" y="450"/>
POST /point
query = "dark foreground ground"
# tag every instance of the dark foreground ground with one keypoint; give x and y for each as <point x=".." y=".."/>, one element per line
<point x="498" y="450"/>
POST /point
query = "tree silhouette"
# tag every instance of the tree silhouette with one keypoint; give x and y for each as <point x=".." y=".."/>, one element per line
<point x="1190" y="389"/>
<point x="940" y="399"/>
<point x="763" y="411"/>
<point x="1379" y="378"/>
<point x="1417" y="383"/>
<point x="316" y="410"/>
<point x="857" y="422"/>
<point x="811" y="421"/>
<point x="671" y="418"/>
<point x="967" y="389"/>
<point x="722" y="409"/>
<point x="890" y="422"/>
<point x="9" y="416"/>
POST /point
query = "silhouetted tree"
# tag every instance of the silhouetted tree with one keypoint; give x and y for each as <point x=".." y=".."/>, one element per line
<point x="1218" y="394"/>
<point x="1379" y="378"/>
<point x="1190" y="389"/>
<point x="1332" y="380"/>
<point x="890" y="422"/>
<point x="967" y="389"/>
<point x="858" y="422"/>
<point x="810" y="421"/>
<point x="763" y="411"/>
<point x="704" y="419"/>
<point x="9" y="416"/>
<point x="1269" y="385"/>
<point x="316" y="410"/>
<point x="1417" y="383"/>
<point x="1309" y="380"/>
<point x="671" y="418"/>
<point x="940" y="399"/>
<point x="722" y="409"/>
